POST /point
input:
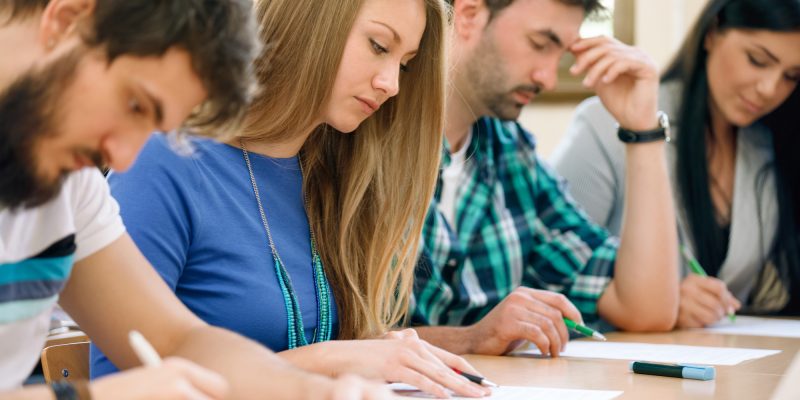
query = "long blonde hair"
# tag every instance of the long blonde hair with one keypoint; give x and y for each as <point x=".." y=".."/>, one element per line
<point x="368" y="192"/>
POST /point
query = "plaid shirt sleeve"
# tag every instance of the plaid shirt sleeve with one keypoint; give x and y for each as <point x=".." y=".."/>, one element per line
<point x="571" y="254"/>
<point x="517" y="227"/>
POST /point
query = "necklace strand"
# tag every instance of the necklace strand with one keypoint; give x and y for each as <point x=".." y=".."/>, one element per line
<point x="296" y="332"/>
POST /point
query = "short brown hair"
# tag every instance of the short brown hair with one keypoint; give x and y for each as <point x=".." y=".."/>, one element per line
<point x="589" y="6"/>
<point x="220" y="37"/>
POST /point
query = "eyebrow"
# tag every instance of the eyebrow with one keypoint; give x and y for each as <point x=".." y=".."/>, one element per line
<point x="552" y="36"/>
<point x="394" y="32"/>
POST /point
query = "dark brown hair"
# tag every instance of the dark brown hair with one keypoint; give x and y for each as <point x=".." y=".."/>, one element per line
<point x="589" y="6"/>
<point x="693" y="120"/>
<point x="218" y="35"/>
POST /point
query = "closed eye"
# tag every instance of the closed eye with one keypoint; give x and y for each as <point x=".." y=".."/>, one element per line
<point x="755" y="61"/>
<point x="378" y="48"/>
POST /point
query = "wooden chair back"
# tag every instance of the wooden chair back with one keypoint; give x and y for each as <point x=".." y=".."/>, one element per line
<point x="66" y="362"/>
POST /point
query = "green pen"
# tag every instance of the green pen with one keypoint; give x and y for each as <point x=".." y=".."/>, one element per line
<point x="584" y="330"/>
<point x="697" y="269"/>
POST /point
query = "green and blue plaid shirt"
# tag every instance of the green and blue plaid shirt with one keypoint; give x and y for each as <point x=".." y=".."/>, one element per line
<point x="516" y="226"/>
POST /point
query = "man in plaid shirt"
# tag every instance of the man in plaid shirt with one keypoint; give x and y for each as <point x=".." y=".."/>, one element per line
<point x="507" y="254"/>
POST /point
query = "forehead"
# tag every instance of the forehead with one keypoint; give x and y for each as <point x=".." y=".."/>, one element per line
<point x="530" y="16"/>
<point x="784" y="45"/>
<point x="406" y="17"/>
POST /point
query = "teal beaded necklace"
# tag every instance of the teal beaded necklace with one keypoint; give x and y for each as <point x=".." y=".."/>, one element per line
<point x="294" y="316"/>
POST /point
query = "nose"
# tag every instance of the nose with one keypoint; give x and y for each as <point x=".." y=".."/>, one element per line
<point x="387" y="79"/>
<point x="767" y="86"/>
<point x="546" y="74"/>
<point x="121" y="148"/>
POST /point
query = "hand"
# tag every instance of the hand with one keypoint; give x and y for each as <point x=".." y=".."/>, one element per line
<point x="526" y="314"/>
<point x="175" y="379"/>
<point x="402" y="356"/>
<point x="624" y="77"/>
<point x="704" y="301"/>
<point x="352" y="387"/>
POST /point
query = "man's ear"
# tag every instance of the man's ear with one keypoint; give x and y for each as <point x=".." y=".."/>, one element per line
<point x="60" y="18"/>
<point x="469" y="17"/>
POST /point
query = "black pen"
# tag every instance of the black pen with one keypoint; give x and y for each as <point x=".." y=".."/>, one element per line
<point x="476" y="379"/>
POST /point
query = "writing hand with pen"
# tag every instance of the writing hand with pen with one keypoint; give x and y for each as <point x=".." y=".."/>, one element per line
<point x="526" y="314"/>
<point x="704" y="300"/>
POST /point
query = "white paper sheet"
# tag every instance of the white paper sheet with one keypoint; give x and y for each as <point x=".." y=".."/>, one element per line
<point x="521" y="393"/>
<point x="658" y="352"/>
<point x="757" y="327"/>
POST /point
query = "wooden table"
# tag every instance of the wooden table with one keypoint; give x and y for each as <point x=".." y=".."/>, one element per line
<point x="754" y="379"/>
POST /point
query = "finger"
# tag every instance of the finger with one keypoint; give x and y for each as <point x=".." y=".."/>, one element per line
<point x="598" y="70"/>
<point x="562" y="304"/>
<point x="422" y="382"/>
<point x="548" y="327"/>
<point x="585" y="60"/>
<point x="534" y="334"/>
<point x="187" y="391"/>
<point x="443" y="374"/>
<point x="348" y="387"/>
<point x="452" y="360"/>
<point x="206" y="381"/>
<point x="377" y="392"/>
<point x="550" y="322"/>
<point x="708" y="308"/>
<point x="731" y="303"/>
<point x="587" y="43"/>
<point x="551" y="307"/>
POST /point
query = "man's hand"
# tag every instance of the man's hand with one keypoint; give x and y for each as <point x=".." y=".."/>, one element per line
<point x="624" y="77"/>
<point x="704" y="301"/>
<point x="526" y="314"/>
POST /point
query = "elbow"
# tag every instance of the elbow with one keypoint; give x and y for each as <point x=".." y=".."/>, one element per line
<point x="662" y="319"/>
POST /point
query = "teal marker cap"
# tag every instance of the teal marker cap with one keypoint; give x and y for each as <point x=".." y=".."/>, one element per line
<point x="699" y="372"/>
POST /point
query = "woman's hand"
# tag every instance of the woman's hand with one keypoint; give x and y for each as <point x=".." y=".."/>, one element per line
<point x="704" y="301"/>
<point x="399" y="356"/>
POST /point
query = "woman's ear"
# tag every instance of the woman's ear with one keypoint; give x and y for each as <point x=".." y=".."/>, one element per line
<point x="60" y="18"/>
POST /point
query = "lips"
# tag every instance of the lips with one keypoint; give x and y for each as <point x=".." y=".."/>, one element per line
<point x="523" y="97"/>
<point x="369" y="106"/>
<point x="751" y="106"/>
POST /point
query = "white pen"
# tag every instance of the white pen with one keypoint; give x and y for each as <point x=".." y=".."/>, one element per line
<point x="143" y="349"/>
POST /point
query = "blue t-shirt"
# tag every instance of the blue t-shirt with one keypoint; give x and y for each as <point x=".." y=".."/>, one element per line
<point x="196" y="220"/>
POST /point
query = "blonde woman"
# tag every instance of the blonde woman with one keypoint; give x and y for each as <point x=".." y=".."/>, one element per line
<point x="304" y="227"/>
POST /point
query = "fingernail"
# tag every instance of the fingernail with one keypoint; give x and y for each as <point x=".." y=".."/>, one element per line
<point x="573" y="68"/>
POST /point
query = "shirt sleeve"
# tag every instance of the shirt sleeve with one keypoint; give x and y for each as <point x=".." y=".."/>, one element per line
<point x="431" y="291"/>
<point x="97" y="219"/>
<point x="590" y="164"/>
<point x="571" y="254"/>
<point x="156" y="207"/>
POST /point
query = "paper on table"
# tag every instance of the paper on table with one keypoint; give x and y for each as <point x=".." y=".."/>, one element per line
<point x="520" y="393"/>
<point x="658" y="352"/>
<point x="755" y="326"/>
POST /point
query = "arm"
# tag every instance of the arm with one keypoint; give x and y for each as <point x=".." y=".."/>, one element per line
<point x="126" y="293"/>
<point x="644" y="293"/>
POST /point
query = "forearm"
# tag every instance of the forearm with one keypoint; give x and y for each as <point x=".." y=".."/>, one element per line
<point x="37" y="392"/>
<point x="455" y="339"/>
<point x="319" y="358"/>
<point x="644" y="292"/>
<point x="251" y="369"/>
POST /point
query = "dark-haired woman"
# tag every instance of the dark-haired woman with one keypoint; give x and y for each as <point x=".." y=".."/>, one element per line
<point x="730" y="91"/>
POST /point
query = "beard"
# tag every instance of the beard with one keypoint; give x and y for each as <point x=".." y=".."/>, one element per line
<point x="28" y="114"/>
<point x="487" y="73"/>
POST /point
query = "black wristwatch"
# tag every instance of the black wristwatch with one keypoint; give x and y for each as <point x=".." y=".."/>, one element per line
<point x="660" y="133"/>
